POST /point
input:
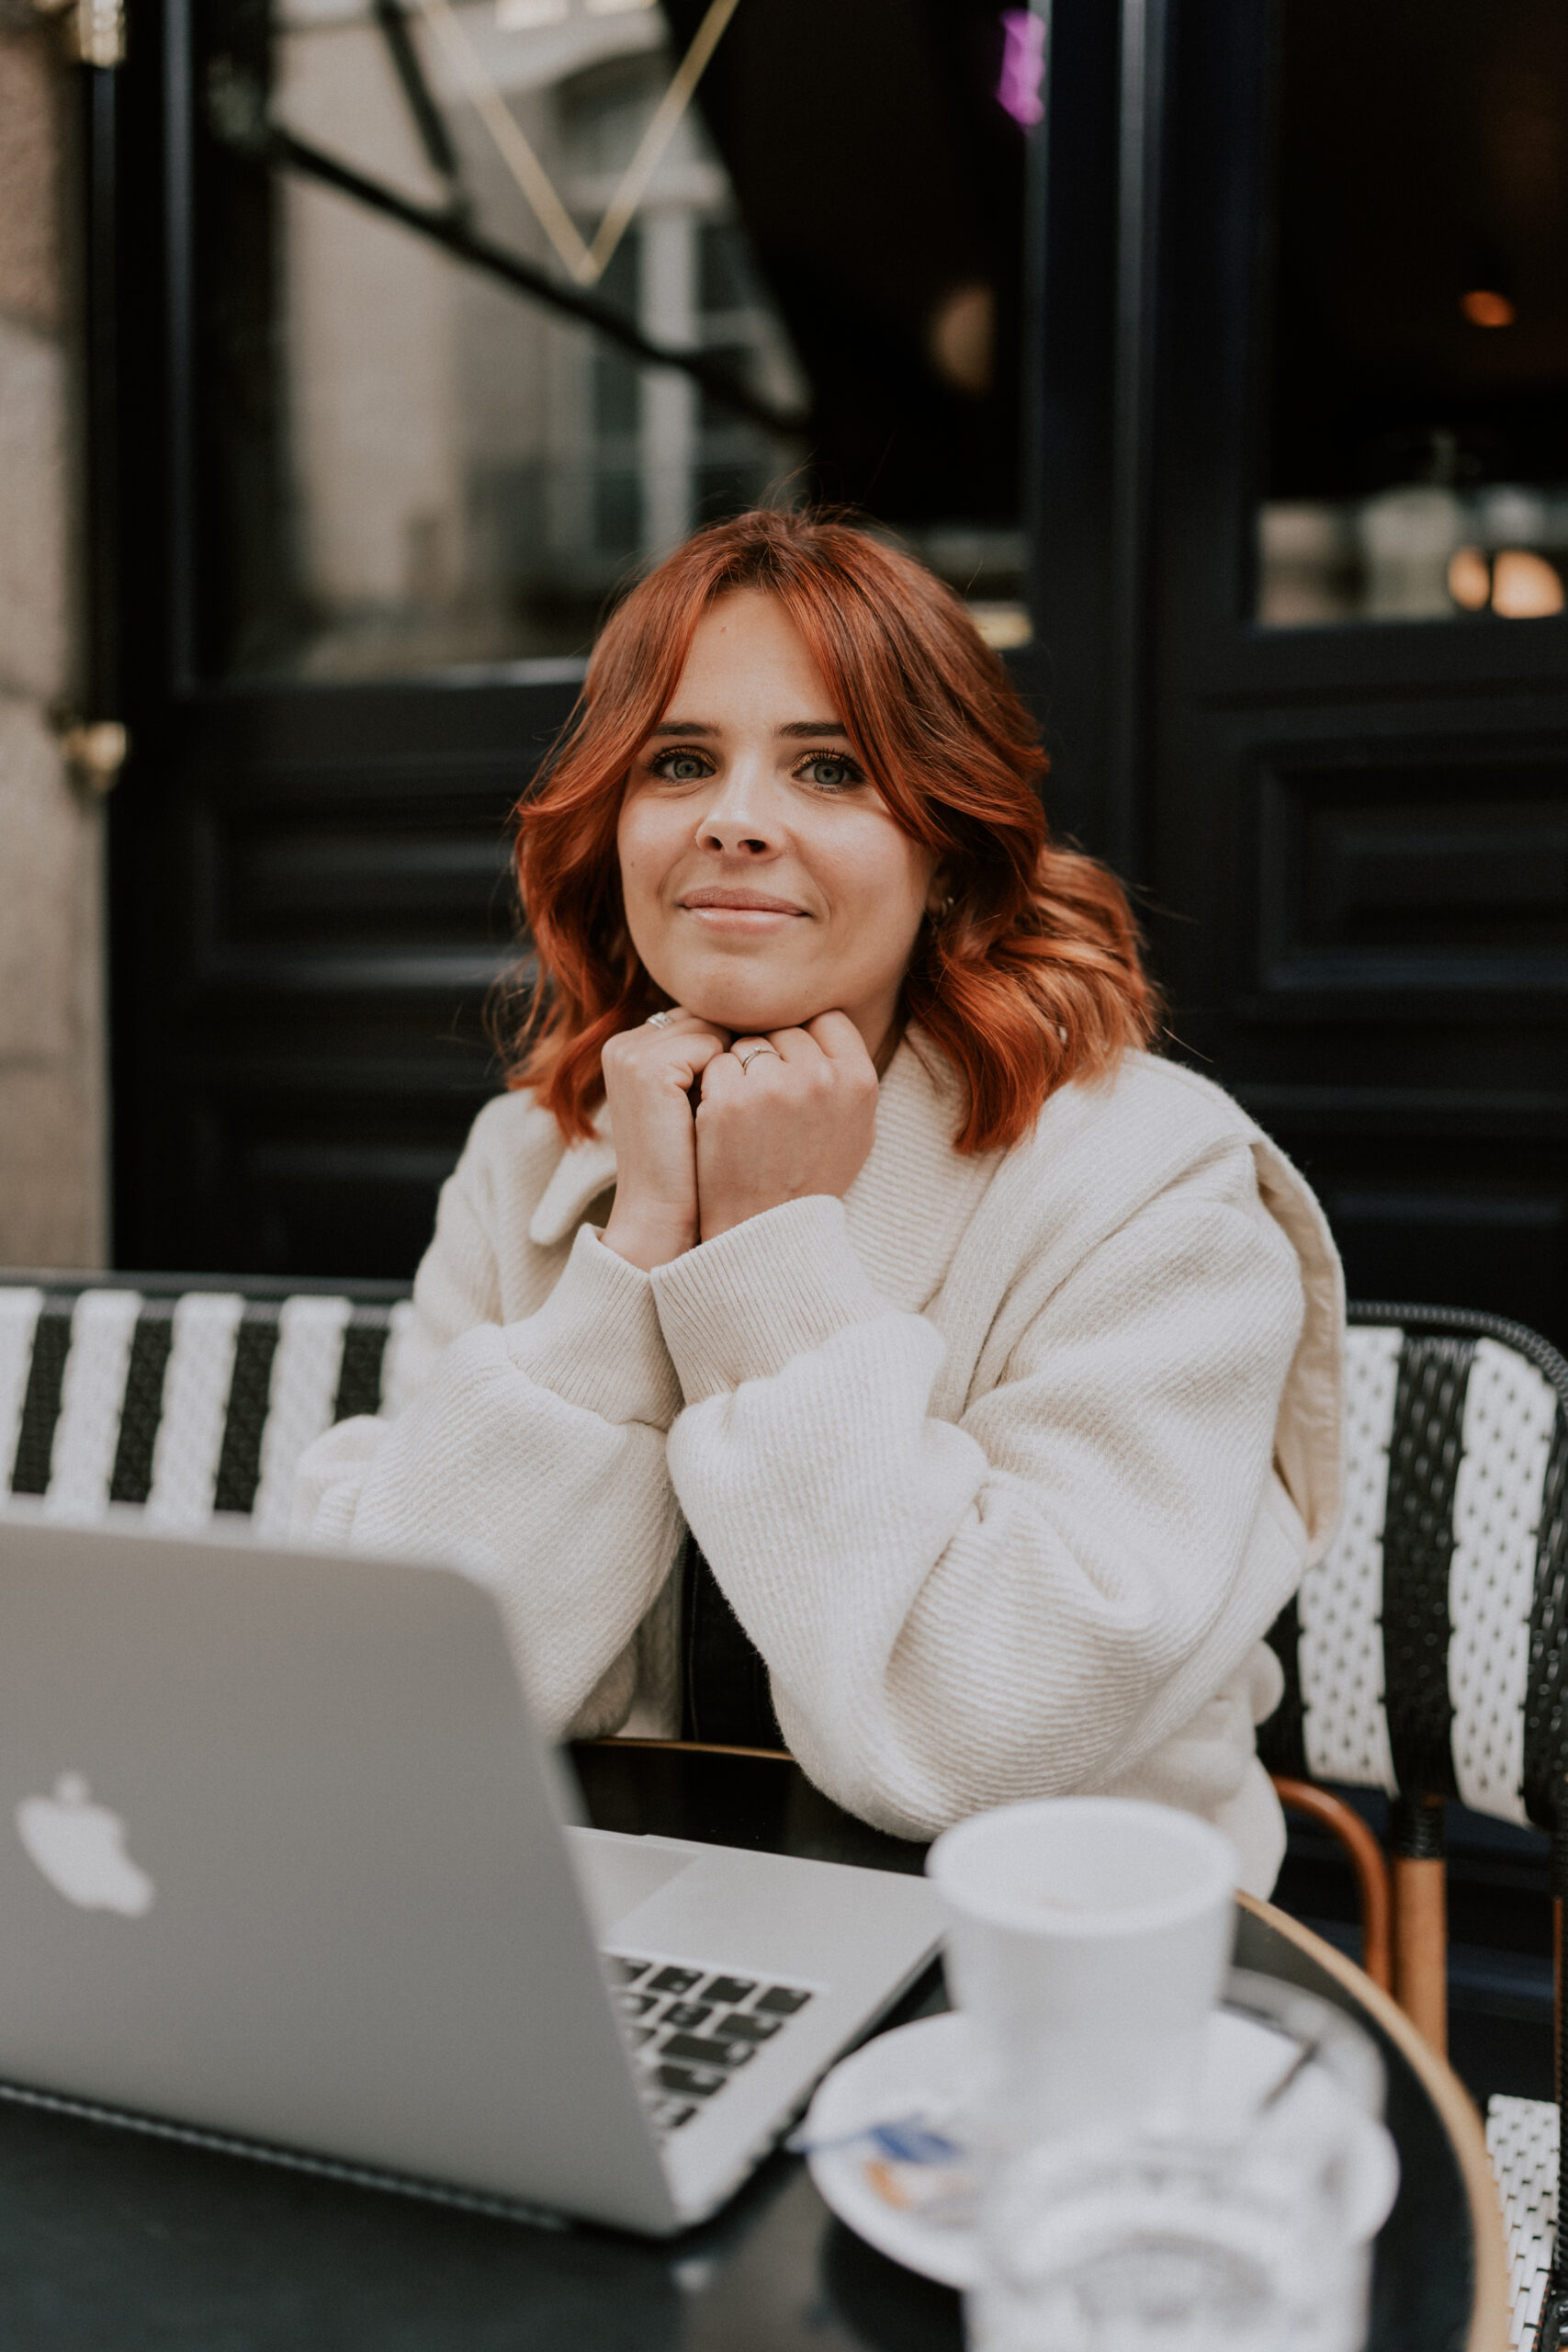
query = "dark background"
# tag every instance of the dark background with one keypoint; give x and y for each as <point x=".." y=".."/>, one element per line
<point x="1227" y="269"/>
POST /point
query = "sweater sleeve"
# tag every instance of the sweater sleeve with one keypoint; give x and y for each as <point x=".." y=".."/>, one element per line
<point x="531" y="1453"/>
<point x="1025" y="1602"/>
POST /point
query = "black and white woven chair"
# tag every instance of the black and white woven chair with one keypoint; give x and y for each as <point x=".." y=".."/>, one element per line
<point x="1427" y="1656"/>
<point x="187" y="1396"/>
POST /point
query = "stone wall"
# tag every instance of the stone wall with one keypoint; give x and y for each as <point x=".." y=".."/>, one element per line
<point x="53" y="1135"/>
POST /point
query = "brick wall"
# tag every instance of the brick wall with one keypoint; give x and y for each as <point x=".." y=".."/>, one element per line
<point x="51" y="1023"/>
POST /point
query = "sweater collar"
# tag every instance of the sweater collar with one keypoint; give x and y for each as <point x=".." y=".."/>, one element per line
<point x="584" y="1171"/>
<point x="908" y="1207"/>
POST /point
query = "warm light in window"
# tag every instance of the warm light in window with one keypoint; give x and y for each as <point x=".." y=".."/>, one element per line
<point x="961" y="338"/>
<point x="1002" y="626"/>
<point x="1470" y="579"/>
<point x="1525" y="587"/>
<point x="1484" y="307"/>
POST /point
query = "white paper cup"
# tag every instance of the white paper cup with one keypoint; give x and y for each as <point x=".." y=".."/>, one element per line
<point x="1087" y="1939"/>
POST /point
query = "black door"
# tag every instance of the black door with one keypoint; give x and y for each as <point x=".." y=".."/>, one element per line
<point x="379" y="429"/>
<point x="1317" y="704"/>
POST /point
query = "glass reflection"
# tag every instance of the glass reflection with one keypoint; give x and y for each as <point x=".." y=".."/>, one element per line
<point x="1418" y="452"/>
<point x="416" y="462"/>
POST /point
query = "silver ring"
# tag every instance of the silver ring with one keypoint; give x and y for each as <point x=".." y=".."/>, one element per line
<point x="659" y="1020"/>
<point x="746" y="1060"/>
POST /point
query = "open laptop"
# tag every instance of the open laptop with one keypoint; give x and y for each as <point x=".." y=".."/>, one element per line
<point x="283" y="1860"/>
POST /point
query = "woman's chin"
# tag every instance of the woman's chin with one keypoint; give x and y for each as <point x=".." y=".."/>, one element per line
<point x="753" y="1017"/>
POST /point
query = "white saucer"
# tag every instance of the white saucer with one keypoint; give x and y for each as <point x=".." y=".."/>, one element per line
<point x="918" y="2077"/>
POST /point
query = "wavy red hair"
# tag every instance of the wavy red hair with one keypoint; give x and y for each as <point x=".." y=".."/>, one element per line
<point x="1031" y="977"/>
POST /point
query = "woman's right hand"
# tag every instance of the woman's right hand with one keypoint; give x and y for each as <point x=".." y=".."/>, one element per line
<point x="649" y="1075"/>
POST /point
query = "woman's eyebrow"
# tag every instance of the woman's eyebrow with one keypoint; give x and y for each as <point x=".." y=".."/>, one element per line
<point x="792" y="731"/>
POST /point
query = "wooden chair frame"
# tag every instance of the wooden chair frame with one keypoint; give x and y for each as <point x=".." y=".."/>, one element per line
<point x="1367" y="1860"/>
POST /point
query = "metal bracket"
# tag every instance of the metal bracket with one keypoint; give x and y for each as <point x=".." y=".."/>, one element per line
<point x="95" y="29"/>
<point x="95" y="750"/>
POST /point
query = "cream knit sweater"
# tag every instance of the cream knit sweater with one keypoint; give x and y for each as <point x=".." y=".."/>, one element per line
<point x="1005" y="1464"/>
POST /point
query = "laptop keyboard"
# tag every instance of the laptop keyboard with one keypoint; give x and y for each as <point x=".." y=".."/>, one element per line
<point x="691" y="2030"/>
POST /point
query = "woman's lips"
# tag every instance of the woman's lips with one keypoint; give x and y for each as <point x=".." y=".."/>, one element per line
<point x="759" y="901"/>
<point x="744" y="911"/>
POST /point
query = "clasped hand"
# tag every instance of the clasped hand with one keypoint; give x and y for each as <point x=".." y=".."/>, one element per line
<point x="797" y="1118"/>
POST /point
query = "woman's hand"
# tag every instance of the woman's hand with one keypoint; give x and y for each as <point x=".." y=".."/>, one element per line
<point x="649" y="1075"/>
<point x="797" y="1118"/>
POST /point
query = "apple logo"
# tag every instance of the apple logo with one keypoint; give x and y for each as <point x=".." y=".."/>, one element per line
<point x="80" y="1849"/>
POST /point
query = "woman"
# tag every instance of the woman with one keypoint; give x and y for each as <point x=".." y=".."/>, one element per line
<point x="836" y="1215"/>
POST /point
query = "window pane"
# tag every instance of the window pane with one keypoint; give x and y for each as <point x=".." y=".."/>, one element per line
<point x="413" y="462"/>
<point x="1417" y="463"/>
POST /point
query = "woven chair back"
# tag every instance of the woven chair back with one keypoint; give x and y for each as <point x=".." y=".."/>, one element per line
<point x="1426" y="1655"/>
<point x="184" y="1398"/>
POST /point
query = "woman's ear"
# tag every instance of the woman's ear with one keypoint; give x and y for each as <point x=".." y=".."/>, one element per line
<point x="939" y="898"/>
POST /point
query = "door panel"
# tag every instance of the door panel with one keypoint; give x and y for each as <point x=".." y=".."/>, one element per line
<point x="338" y="865"/>
<point x="1354" y="836"/>
<point x="1415" y="879"/>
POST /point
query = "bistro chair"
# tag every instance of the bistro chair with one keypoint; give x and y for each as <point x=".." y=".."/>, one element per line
<point x="185" y="1395"/>
<point x="1424" y="1657"/>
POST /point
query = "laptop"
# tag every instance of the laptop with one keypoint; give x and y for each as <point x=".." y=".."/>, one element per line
<point x="284" y="1864"/>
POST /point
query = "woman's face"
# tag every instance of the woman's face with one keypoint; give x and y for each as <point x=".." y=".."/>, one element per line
<point x="765" y="881"/>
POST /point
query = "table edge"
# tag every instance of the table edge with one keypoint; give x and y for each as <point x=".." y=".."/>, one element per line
<point x="1489" y="2318"/>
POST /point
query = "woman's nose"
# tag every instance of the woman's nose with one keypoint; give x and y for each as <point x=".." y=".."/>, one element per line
<point x="737" y="818"/>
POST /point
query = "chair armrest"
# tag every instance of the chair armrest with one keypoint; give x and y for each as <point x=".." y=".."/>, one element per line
<point x="691" y="1746"/>
<point x="1367" y="1860"/>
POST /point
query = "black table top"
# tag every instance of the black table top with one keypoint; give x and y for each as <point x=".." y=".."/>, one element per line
<point x="108" y="2239"/>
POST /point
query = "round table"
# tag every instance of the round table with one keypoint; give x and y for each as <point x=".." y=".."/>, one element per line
<point x="110" y="2238"/>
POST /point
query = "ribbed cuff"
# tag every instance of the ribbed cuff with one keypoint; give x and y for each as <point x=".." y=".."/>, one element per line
<point x="596" y="1340"/>
<point x="744" y="1307"/>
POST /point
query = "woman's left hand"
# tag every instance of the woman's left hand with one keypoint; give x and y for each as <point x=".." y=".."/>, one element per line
<point x="782" y="1117"/>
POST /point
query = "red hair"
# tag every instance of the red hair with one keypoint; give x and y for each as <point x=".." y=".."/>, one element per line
<point x="1030" y="977"/>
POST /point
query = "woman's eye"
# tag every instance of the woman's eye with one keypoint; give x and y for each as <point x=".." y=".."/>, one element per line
<point x="680" y="767"/>
<point x="832" y="771"/>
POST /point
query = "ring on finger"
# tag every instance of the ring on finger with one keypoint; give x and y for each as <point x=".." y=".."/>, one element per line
<point x="659" y="1020"/>
<point x="750" y="1055"/>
